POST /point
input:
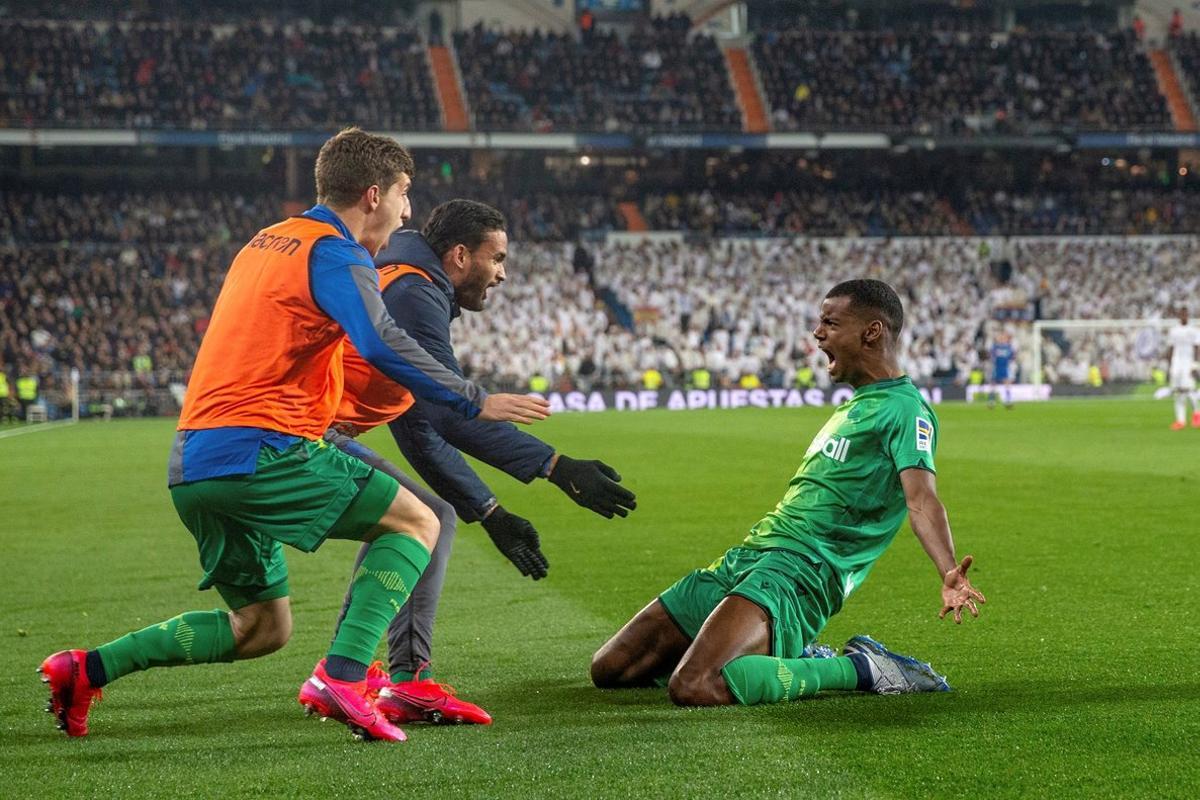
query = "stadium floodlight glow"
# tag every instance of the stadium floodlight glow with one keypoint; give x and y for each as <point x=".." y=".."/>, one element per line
<point x="585" y="160"/>
<point x="1144" y="342"/>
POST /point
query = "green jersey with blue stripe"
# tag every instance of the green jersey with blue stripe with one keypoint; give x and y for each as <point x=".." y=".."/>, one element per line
<point x="845" y="503"/>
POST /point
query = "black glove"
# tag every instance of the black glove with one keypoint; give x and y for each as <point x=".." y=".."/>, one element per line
<point x="593" y="485"/>
<point x="517" y="539"/>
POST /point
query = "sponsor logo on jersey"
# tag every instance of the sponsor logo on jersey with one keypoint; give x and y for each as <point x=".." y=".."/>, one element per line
<point x="924" y="435"/>
<point x="832" y="446"/>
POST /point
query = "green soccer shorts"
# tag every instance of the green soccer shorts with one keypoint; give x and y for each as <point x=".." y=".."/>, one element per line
<point x="300" y="497"/>
<point x="788" y="587"/>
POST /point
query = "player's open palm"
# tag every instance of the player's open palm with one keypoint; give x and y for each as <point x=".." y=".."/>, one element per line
<point x="958" y="593"/>
<point x="523" y="408"/>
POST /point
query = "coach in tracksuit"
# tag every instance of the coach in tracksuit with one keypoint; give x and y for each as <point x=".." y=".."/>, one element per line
<point x="427" y="279"/>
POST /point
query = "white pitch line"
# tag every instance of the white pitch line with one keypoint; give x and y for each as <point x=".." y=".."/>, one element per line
<point x="35" y="428"/>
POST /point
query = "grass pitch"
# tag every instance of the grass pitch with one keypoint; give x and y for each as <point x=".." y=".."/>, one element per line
<point x="1078" y="680"/>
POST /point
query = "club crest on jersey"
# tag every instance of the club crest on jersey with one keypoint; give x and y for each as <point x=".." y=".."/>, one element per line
<point x="924" y="435"/>
<point x="832" y="446"/>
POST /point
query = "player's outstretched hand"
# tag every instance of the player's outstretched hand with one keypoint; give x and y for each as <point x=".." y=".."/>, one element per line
<point x="518" y="540"/>
<point x="523" y="408"/>
<point x="958" y="592"/>
<point x="593" y="485"/>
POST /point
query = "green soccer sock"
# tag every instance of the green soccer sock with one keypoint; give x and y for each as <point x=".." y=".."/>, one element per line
<point x="380" y="587"/>
<point x="195" y="637"/>
<point x="765" y="679"/>
<point x="404" y="676"/>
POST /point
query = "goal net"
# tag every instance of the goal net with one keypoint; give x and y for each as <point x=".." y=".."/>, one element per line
<point x="1100" y="351"/>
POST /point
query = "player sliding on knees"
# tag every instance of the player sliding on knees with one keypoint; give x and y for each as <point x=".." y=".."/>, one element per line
<point x="249" y="471"/>
<point x="427" y="279"/>
<point x="736" y="631"/>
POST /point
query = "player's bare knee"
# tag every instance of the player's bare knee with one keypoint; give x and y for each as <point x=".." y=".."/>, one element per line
<point x="261" y="628"/>
<point x="410" y="516"/>
<point x="690" y="687"/>
<point x="425" y="525"/>
<point x="607" y="669"/>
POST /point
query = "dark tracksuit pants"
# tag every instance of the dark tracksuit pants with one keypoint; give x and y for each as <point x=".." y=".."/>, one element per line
<point x="410" y="634"/>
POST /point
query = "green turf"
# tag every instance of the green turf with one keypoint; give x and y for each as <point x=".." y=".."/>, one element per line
<point x="1080" y="679"/>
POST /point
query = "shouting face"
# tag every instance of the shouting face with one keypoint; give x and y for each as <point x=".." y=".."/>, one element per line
<point x="480" y="270"/>
<point x="839" y="335"/>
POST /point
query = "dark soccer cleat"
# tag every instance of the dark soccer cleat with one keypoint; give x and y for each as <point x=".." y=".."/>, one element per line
<point x="893" y="673"/>
<point x="71" y="695"/>
<point x="347" y="703"/>
<point x="428" y="701"/>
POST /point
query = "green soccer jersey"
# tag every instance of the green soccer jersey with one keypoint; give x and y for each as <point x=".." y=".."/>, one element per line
<point x="845" y="503"/>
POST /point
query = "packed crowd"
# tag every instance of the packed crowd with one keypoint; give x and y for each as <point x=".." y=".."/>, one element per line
<point x="657" y="76"/>
<point x="267" y="74"/>
<point x="745" y="309"/>
<point x="121" y="285"/>
<point x="895" y="212"/>
<point x="954" y="82"/>
<point x="189" y="75"/>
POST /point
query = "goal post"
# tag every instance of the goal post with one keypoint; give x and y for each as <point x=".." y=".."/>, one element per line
<point x="1066" y="350"/>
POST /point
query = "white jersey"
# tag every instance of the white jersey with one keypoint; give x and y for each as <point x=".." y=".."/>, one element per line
<point x="1183" y="340"/>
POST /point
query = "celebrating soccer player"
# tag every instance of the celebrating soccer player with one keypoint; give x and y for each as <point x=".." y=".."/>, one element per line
<point x="249" y="471"/>
<point x="735" y="631"/>
<point x="427" y="279"/>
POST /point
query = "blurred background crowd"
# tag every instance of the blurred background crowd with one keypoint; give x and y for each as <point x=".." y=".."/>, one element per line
<point x="110" y="259"/>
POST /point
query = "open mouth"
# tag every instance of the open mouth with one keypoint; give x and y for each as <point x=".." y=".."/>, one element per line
<point x="832" y="358"/>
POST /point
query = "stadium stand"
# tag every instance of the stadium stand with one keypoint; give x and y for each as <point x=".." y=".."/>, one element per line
<point x="955" y="82"/>
<point x="197" y="76"/>
<point x="131" y="313"/>
<point x="657" y="76"/>
<point x="119" y="282"/>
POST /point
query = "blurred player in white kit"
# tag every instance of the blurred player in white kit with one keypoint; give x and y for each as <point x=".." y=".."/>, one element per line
<point x="1184" y="341"/>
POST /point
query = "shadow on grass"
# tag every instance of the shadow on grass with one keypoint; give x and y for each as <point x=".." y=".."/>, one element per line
<point x="846" y="709"/>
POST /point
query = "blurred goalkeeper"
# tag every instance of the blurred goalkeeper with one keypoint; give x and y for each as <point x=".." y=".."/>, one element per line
<point x="741" y="630"/>
<point x="426" y="280"/>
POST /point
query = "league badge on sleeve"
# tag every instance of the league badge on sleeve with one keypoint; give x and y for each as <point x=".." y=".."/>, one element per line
<point x="924" y="435"/>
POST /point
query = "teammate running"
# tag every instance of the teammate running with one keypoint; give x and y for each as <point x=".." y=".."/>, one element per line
<point x="249" y="472"/>
<point x="1185" y="342"/>
<point x="426" y="280"/>
<point x="735" y="631"/>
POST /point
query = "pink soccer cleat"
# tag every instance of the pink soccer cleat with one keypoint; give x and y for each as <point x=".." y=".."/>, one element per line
<point x="428" y="701"/>
<point x="71" y="695"/>
<point x="1196" y="419"/>
<point x="377" y="679"/>
<point x="1177" y="426"/>
<point x="347" y="703"/>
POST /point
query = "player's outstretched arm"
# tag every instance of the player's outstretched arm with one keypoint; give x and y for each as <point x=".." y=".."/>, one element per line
<point x="521" y="408"/>
<point x="932" y="528"/>
<point x="593" y="485"/>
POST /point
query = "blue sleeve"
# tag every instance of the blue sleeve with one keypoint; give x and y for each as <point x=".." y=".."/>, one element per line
<point x="345" y="285"/>
<point x="442" y="467"/>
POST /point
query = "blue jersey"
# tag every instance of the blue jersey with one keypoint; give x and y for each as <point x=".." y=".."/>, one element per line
<point x="1002" y="358"/>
